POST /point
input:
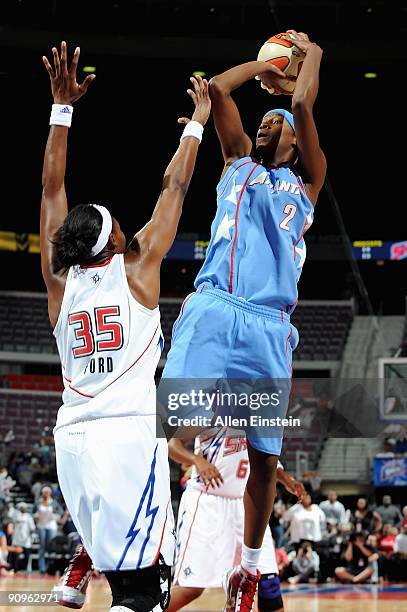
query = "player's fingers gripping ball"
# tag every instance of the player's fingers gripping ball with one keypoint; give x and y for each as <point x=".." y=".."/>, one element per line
<point x="283" y="53"/>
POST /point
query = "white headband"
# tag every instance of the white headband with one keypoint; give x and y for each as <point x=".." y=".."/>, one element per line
<point x="107" y="226"/>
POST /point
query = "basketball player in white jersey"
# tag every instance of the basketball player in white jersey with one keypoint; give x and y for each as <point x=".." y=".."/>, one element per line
<point x="103" y="306"/>
<point x="211" y="519"/>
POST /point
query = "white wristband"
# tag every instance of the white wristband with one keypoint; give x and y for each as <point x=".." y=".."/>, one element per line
<point x="61" y="114"/>
<point x="193" y="128"/>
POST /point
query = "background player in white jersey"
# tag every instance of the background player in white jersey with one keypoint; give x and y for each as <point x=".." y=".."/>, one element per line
<point x="103" y="305"/>
<point x="211" y="519"/>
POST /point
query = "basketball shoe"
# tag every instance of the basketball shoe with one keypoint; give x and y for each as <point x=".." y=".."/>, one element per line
<point x="240" y="587"/>
<point x="71" y="589"/>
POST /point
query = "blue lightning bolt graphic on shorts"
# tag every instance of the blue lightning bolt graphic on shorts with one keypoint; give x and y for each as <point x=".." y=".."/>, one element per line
<point x="149" y="512"/>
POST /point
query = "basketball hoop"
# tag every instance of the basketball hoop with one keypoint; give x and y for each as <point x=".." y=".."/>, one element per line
<point x="314" y="479"/>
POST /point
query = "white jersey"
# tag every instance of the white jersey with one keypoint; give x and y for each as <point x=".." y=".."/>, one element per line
<point x="109" y="346"/>
<point x="211" y="520"/>
<point x="226" y="449"/>
<point x="305" y="524"/>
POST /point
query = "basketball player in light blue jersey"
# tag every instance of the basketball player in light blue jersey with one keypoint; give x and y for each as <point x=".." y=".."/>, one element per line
<point x="237" y="323"/>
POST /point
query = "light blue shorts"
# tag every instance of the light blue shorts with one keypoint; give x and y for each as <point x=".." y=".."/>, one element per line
<point x="219" y="336"/>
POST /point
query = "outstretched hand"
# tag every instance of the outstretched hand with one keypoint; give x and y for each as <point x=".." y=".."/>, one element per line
<point x="201" y="99"/>
<point x="297" y="489"/>
<point x="292" y="485"/>
<point x="64" y="86"/>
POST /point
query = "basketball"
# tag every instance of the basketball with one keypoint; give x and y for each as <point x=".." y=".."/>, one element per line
<point x="286" y="56"/>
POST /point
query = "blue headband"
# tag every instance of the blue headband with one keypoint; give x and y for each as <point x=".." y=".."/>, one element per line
<point x="286" y="114"/>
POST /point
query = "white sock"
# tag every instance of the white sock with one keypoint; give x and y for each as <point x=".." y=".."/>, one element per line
<point x="250" y="559"/>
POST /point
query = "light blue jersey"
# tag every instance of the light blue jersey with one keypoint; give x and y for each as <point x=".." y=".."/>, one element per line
<point x="236" y="326"/>
<point x="257" y="249"/>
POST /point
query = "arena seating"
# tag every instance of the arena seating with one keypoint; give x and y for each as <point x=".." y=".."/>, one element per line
<point x="27" y="414"/>
<point x="314" y="418"/>
<point x="31" y="382"/>
<point x="323" y="330"/>
<point x="24" y="326"/>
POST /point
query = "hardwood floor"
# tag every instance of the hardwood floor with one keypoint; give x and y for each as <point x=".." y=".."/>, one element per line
<point x="304" y="598"/>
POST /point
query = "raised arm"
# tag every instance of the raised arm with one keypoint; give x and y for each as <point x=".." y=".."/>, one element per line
<point x="151" y="244"/>
<point x="157" y="237"/>
<point x="311" y="157"/>
<point x="234" y="141"/>
<point x="348" y="554"/>
<point x="54" y="206"/>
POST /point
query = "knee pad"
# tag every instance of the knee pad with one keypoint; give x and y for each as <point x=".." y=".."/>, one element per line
<point x="269" y="593"/>
<point x="142" y="590"/>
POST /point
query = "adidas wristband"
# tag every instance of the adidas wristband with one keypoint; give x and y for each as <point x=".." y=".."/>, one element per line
<point x="193" y="128"/>
<point x="61" y="114"/>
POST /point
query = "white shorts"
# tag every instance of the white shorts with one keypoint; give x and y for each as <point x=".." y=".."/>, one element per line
<point x="209" y="540"/>
<point x="114" y="476"/>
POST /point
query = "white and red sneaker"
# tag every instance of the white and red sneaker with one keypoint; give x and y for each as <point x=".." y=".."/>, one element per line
<point x="240" y="587"/>
<point x="71" y="589"/>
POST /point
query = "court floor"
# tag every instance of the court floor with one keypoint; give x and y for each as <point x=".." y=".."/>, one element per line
<point x="302" y="598"/>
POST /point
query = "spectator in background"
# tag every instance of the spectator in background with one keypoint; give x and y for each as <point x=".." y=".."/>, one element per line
<point x="336" y="541"/>
<point x="23" y="529"/>
<point x="6" y="484"/>
<point x="46" y="518"/>
<point x="305" y="565"/>
<point x="388" y="539"/>
<point x="400" y="544"/>
<point x="393" y="562"/>
<point x="282" y="561"/>
<point x="372" y="542"/>
<point x="276" y="526"/>
<point x="359" y="557"/>
<point x="25" y="473"/>
<point x="306" y="521"/>
<point x="37" y="487"/>
<point x="67" y="524"/>
<point x="388" y="512"/>
<point x="404" y="521"/>
<point x="15" y="459"/>
<point x="334" y="509"/>
<point x="363" y="519"/>
<point x="43" y="451"/>
<point x="3" y="552"/>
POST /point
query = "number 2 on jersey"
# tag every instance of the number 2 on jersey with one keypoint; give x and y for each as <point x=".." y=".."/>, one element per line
<point x="84" y="331"/>
<point x="289" y="211"/>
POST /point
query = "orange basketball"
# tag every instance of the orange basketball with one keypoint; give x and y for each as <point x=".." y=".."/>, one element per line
<point x="286" y="56"/>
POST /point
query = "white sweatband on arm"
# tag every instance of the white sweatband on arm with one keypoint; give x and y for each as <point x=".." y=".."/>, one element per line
<point x="61" y="114"/>
<point x="107" y="226"/>
<point x="193" y="128"/>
